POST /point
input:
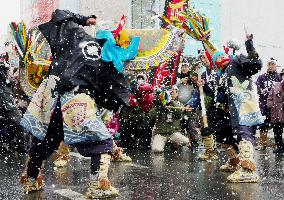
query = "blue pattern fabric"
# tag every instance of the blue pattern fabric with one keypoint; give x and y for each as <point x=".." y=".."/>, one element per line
<point x="111" y="52"/>
<point x="246" y="103"/>
<point x="92" y="129"/>
<point x="251" y="118"/>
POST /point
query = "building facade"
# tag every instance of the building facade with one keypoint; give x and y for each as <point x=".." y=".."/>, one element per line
<point x="35" y="12"/>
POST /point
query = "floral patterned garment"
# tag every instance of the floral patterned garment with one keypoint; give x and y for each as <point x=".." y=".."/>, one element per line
<point x="246" y="103"/>
<point x="79" y="115"/>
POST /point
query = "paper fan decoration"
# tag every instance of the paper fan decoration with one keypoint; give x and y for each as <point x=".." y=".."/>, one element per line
<point x="196" y="25"/>
<point x="35" y="56"/>
<point x="156" y="47"/>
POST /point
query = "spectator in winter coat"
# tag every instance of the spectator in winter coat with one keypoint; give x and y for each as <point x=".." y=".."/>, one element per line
<point x="264" y="84"/>
<point x="186" y="85"/>
<point x="167" y="115"/>
<point x="275" y="102"/>
<point x="135" y="123"/>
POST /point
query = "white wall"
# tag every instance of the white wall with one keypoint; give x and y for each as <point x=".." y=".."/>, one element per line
<point x="109" y="9"/>
<point x="72" y="5"/>
<point x="264" y="18"/>
<point x="10" y="11"/>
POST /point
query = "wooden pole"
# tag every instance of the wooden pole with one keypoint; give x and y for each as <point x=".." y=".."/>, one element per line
<point x="202" y="102"/>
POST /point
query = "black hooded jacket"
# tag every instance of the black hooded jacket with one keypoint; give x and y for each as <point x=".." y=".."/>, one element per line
<point x="77" y="61"/>
<point x="244" y="67"/>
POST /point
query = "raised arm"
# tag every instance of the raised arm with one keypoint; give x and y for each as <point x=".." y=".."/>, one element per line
<point x="250" y="64"/>
<point x="66" y="15"/>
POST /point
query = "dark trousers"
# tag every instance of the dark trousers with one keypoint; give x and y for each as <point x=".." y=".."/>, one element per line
<point x="219" y="123"/>
<point x="95" y="163"/>
<point x="245" y="133"/>
<point x="189" y="126"/>
<point x="278" y="131"/>
<point x="41" y="150"/>
<point x="135" y="129"/>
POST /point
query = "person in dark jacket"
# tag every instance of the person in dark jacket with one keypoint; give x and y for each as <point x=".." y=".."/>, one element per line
<point x="243" y="106"/>
<point x="64" y="106"/>
<point x="215" y="98"/>
<point x="264" y="84"/>
<point x="12" y="135"/>
<point x="186" y="84"/>
<point x="136" y="126"/>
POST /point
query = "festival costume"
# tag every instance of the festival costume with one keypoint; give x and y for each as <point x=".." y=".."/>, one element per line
<point x="61" y="156"/>
<point x="219" y="125"/>
<point x="196" y="25"/>
<point x="235" y="77"/>
<point x="100" y="186"/>
<point x="32" y="184"/>
<point x="247" y="170"/>
<point x="64" y="106"/>
<point x="119" y="156"/>
<point x="244" y="110"/>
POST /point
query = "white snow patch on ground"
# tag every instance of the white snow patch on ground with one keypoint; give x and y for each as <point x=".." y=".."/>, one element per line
<point x="68" y="193"/>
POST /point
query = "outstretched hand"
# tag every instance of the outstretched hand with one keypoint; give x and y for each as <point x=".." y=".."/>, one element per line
<point x="249" y="36"/>
<point x="91" y="21"/>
